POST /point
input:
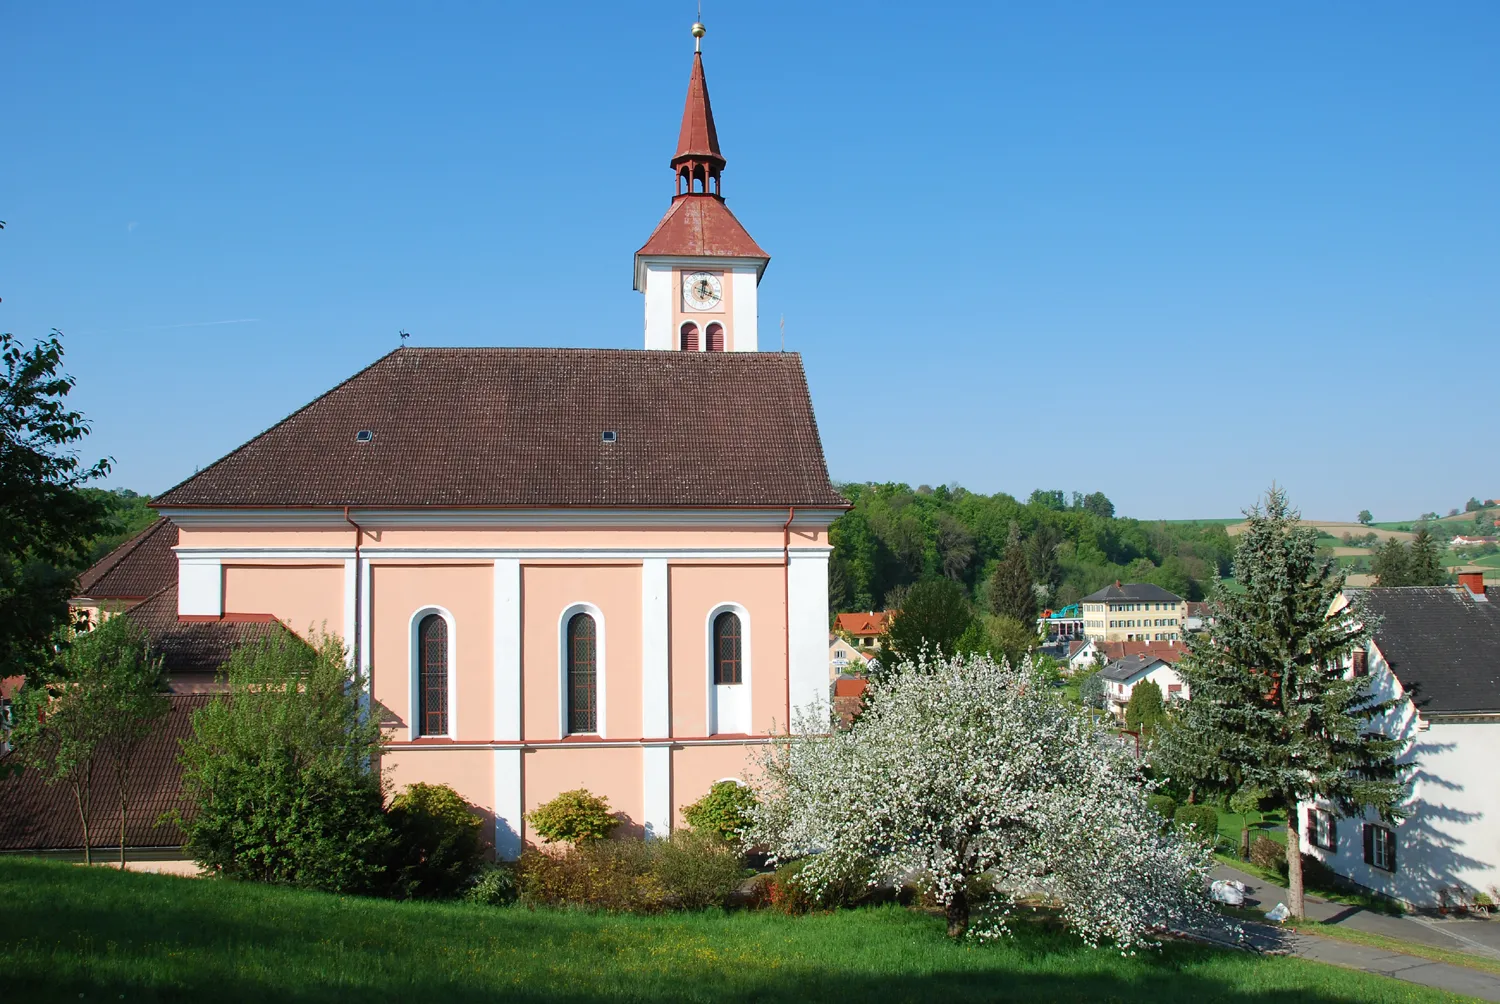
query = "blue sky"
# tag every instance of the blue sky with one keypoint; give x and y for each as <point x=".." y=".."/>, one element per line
<point x="1166" y="251"/>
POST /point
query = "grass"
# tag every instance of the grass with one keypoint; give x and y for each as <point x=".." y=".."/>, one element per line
<point x="1334" y="894"/>
<point x="74" y="933"/>
<point x="1381" y="941"/>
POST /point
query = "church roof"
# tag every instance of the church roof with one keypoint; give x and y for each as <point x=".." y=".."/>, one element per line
<point x="523" y="427"/>
<point x="697" y="138"/>
<point x="701" y="225"/>
<point x="142" y="566"/>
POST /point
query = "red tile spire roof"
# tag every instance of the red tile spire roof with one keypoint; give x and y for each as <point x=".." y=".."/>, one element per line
<point x="698" y="139"/>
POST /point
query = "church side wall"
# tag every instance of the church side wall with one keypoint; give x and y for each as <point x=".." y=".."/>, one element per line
<point x="306" y="598"/>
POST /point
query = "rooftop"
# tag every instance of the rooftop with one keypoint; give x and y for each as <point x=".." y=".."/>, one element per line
<point x="1132" y="592"/>
<point x="1121" y="670"/>
<point x="142" y="566"/>
<point x="1442" y="643"/>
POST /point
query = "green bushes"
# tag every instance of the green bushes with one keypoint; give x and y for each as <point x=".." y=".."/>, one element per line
<point x="495" y="885"/>
<point x="724" y="811"/>
<point x="1163" y="805"/>
<point x="1267" y="853"/>
<point x="1200" y="820"/>
<point x="436" y="843"/>
<point x="689" y="871"/>
<point x="573" y="817"/>
<point x="697" y="870"/>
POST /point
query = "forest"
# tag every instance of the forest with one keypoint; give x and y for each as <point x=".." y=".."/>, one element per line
<point x="895" y="536"/>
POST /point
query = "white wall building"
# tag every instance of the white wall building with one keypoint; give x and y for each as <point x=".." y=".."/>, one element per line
<point x="1123" y="675"/>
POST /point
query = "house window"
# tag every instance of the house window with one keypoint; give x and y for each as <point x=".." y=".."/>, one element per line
<point x="583" y="674"/>
<point x="432" y="681"/>
<point x="1320" y="829"/>
<point x="1361" y="660"/>
<point x="690" y="337"/>
<point x="716" y="337"/>
<point x="1380" y="847"/>
<point x="728" y="663"/>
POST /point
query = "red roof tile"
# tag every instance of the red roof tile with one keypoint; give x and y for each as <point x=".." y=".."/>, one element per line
<point x="142" y="566"/>
<point x="522" y="428"/>
<point x="697" y="138"/>
<point x="192" y="651"/>
<point x="701" y="225"/>
<point x="1163" y="650"/>
<point x="873" y="623"/>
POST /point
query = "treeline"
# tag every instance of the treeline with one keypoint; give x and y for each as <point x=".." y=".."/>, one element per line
<point x="895" y="536"/>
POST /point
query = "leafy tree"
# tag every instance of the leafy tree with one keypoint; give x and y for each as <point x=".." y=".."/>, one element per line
<point x="279" y="774"/>
<point x="1272" y="709"/>
<point x="968" y="772"/>
<point x="1041" y="556"/>
<point x="574" y="817"/>
<point x="1099" y="504"/>
<point x="1473" y="504"/>
<point x="1365" y="517"/>
<point x="1145" y="710"/>
<point x="934" y="613"/>
<point x="1011" y="588"/>
<point x="724" y="811"/>
<point x="46" y="521"/>
<point x="1003" y="637"/>
<point x="135" y="700"/>
<point x="437" y="848"/>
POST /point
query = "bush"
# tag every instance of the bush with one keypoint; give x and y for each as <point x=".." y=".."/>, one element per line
<point x="1163" y="805"/>
<point x="437" y="849"/>
<point x="573" y="818"/>
<point x="1200" y="820"/>
<point x="612" y="875"/>
<point x="789" y="893"/>
<point x="724" y="811"/>
<point x="696" y="870"/>
<point x="1267" y="853"/>
<point x="495" y="885"/>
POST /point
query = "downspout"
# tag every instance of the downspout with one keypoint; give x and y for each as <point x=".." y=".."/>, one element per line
<point x="358" y="606"/>
<point x="786" y="606"/>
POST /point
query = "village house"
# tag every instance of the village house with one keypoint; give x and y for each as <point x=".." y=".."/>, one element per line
<point x="1135" y="611"/>
<point x="553" y="568"/>
<point x="867" y="630"/>
<point x="1122" y="676"/>
<point x="844" y="657"/>
<point x="1435" y="651"/>
<point x="1087" y="654"/>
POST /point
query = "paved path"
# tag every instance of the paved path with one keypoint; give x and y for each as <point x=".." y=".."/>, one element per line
<point x="1480" y="937"/>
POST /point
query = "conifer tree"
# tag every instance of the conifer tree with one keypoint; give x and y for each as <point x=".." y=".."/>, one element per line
<point x="1390" y="564"/>
<point x="1424" y="565"/>
<point x="1271" y="707"/>
<point x="1012" y="589"/>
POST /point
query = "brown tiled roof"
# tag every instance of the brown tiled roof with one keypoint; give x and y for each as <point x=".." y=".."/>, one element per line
<point x="522" y="428"/>
<point x="142" y="566"/>
<point x="38" y="816"/>
<point x="698" y="137"/>
<point x="193" y="651"/>
<point x="872" y="623"/>
<point x="701" y="225"/>
<point x="1163" y="650"/>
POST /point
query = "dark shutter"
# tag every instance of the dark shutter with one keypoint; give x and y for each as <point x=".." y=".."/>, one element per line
<point x="716" y="338"/>
<point x="1361" y="662"/>
<point x="1333" y="832"/>
<point x="690" y="337"/>
<point x="583" y="675"/>
<point x="432" y="681"/>
<point x="1369" y="844"/>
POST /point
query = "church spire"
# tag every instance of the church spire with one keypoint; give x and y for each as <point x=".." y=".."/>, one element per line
<point x="698" y="161"/>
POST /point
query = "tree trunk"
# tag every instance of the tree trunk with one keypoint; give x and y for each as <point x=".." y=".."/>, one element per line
<point x="958" y="914"/>
<point x="80" y="798"/>
<point x="1293" y="864"/>
<point x="120" y="777"/>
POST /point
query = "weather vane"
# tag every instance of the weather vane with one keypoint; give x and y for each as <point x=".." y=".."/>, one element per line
<point x="404" y="336"/>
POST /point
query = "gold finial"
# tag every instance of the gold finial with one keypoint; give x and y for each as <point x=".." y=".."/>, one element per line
<point x="698" y="32"/>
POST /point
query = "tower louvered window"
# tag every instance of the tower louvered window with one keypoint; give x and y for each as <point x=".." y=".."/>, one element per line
<point x="690" y="337"/>
<point x="432" y="683"/>
<point x="728" y="662"/>
<point x="716" y="338"/>
<point x="583" y="674"/>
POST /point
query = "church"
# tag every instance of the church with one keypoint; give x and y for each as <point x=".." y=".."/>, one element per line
<point x="555" y="568"/>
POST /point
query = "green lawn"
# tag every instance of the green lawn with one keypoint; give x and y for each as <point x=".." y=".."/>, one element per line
<point x="70" y="933"/>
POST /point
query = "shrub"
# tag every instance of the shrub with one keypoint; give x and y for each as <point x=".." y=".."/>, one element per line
<point x="1267" y="853"/>
<point x="573" y="818"/>
<point x="495" y="885"/>
<point x="791" y="893"/>
<point x="724" y="811"/>
<point x="1200" y="820"/>
<point x="696" y="870"/>
<point x="1164" y="805"/>
<point x="437" y="849"/>
<point x="613" y="875"/>
<point x="788" y="894"/>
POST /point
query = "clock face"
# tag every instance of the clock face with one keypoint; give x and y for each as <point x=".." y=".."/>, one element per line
<point x="702" y="291"/>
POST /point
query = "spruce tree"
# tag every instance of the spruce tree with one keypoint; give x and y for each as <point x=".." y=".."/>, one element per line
<point x="1271" y="707"/>
<point x="1390" y="564"/>
<point x="1012" y="589"/>
<point x="1424" y="565"/>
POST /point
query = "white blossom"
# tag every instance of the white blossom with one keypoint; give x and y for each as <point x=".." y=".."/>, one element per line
<point x="977" y="778"/>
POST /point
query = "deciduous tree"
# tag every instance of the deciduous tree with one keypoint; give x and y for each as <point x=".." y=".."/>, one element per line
<point x="1365" y="517"/>
<point x="933" y="614"/>
<point x="1145" y="710"/>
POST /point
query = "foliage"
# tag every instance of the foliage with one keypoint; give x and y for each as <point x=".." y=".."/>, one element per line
<point x="933" y="615"/>
<point x="573" y="817"/>
<point x="1419" y="563"/>
<point x="128" y="513"/>
<point x="1000" y="637"/>
<point x="1145" y="710"/>
<point x="1012" y="592"/>
<point x="1163" y="805"/>
<point x="1091" y="690"/>
<point x="1267" y="853"/>
<point x="46" y="520"/>
<point x="1271" y="707"/>
<point x="494" y="885"/>
<point x="967" y="770"/>
<point x="723" y="811"/>
<point x="1202" y="821"/>
<point x="1365" y="517"/>
<point x="612" y="875"/>
<point x="437" y="850"/>
<point x="279" y="775"/>
<point x="151" y="937"/>
<point x="697" y="870"/>
<point x="89" y="712"/>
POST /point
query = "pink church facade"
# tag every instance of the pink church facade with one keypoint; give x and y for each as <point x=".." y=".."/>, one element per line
<point x="556" y="569"/>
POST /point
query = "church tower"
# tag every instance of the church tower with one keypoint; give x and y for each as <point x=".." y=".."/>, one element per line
<point x="700" y="269"/>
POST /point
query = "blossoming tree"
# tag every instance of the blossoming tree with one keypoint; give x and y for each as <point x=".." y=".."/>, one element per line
<point x="975" y="777"/>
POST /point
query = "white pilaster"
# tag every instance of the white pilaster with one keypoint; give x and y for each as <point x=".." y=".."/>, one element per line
<point x="365" y="629"/>
<point x="200" y="586"/>
<point x="746" y="310"/>
<point x="807" y="603"/>
<point x="507" y="650"/>
<point x="656" y="697"/>
<point x="656" y="780"/>
<point x="349" y="602"/>
<point x="659" y="296"/>
<point x="508" y="804"/>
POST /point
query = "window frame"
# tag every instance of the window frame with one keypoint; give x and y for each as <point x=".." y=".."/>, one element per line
<point x="1380" y="842"/>
<point x="414" y="708"/>
<point x="1322" y="829"/>
<point x="713" y="691"/>
<point x="601" y="675"/>
<point x="718" y="654"/>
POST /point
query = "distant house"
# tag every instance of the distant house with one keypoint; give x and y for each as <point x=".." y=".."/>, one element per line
<point x="1083" y="655"/>
<point x="1122" y="676"/>
<point x="1435" y="651"/>
<point x="1063" y="624"/>
<point x="847" y="694"/>
<point x="1197" y="617"/>
<point x="1462" y="541"/>
<point x="844" y="658"/>
<point x="866" y="629"/>
<point x="1135" y="611"/>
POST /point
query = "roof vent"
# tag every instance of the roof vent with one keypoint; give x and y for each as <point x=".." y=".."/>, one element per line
<point x="608" y="436"/>
<point x="364" y="436"/>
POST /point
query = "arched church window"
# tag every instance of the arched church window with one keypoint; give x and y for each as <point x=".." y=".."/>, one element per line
<point x="583" y="674"/>
<point x="728" y="662"/>
<point x="432" y="684"/>
<point x="690" y="337"/>
<point x="716" y="337"/>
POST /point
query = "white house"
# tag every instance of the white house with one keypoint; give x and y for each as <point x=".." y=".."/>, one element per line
<point x="1436" y="651"/>
<point x="1122" y="676"/>
<point x="843" y="657"/>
